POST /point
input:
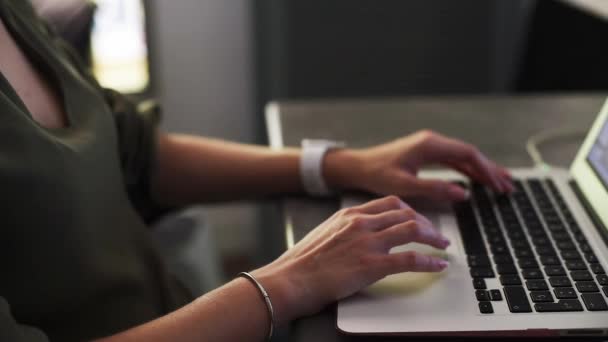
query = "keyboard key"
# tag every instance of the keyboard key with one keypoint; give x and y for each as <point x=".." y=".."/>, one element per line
<point x="469" y="229"/>
<point x="565" y="293"/>
<point x="586" y="248"/>
<point x="517" y="244"/>
<point x="502" y="259"/>
<point x="580" y="237"/>
<point x="574" y="228"/>
<point x="479" y="284"/>
<point x="546" y="251"/>
<point x="490" y="223"/>
<point x="510" y="279"/>
<point x="482" y="272"/>
<point x="571" y="255"/>
<point x="535" y="227"/>
<point x="517" y="299"/>
<point x="486" y="307"/>
<point x="527" y="263"/>
<point x="564" y="236"/>
<point x="562" y="305"/>
<point x="532" y="274"/>
<point x="575" y="265"/>
<point x="524" y="253"/>
<point x="605" y="289"/>
<point x="602" y="279"/>
<point x="555" y="271"/>
<point x="495" y="295"/>
<point x="493" y="233"/>
<point x="541" y="241"/>
<point x="549" y="260"/>
<point x="591" y="258"/>
<point x="537" y="285"/>
<point x="554" y="226"/>
<point x="538" y="233"/>
<point x="586" y="286"/>
<point x="499" y="249"/>
<point x="581" y="275"/>
<point x="597" y="268"/>
<point x="594" y="302"/>
<point x="541" y="296"/>
<point x="516" y="234"/>
<point x="495" y="237"/>
<point x="479" y="260"/>
<point x="566" y="245"/>
<point x="560" y="282"/>
<point x="482" y="295"/>
<point x="506" y="269"/>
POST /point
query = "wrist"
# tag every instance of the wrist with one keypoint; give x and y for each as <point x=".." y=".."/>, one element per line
<point x="282" y="294"/>
<point x="340" y="168"/>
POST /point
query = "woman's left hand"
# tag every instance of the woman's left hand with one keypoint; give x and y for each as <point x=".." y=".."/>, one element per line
<point x="392" y="168"/>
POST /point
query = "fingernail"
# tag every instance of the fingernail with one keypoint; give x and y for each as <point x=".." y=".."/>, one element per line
<point x="445" y="242"/>
<point x="443" y="264"/>
<point x="457" y="192"/>
<point x="510" y="185"/>
<point x="500" y="187"/>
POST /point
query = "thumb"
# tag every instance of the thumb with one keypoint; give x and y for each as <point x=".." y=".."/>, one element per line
<point x="433" y="188"/>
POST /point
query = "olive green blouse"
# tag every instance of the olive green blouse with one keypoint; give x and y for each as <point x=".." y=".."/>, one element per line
<point x="76" y="259"/>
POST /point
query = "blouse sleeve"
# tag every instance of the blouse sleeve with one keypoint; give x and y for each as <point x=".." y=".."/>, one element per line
<point x="11" y="330"/>
<point x="136" y="126"/>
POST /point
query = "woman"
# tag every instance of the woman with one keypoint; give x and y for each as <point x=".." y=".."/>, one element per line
<point x="79" y="165"/>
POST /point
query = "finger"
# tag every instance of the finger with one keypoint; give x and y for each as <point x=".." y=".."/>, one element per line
<point x="390" y="218"/>
<point x="503" y="176"/>
<point x="507" y="184"/>
<point x="465" y="169"/>
<point x="506" y="178"/>
<point x="381" y="205"/>
<point x="411" y="261"/>
<point x="423" y="219"/>
<point x="448" y="151"/>
<point x="412" y="231"/>
<point x="432" y="188"/>
<point x="486" y="175"/>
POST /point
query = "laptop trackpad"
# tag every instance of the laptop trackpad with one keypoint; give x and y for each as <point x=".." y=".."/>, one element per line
<point x="440" y="215"/>
<point x="412" y="282"/>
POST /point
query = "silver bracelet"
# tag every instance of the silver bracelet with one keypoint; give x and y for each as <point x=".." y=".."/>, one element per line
<point x="266" y="299"/>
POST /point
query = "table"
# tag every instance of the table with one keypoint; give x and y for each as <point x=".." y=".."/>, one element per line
<point x="498" y="125"/>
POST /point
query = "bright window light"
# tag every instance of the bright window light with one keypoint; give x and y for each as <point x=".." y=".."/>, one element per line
<point x="118" y="46"/>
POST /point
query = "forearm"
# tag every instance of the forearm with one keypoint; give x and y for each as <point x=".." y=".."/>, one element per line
<point x="195" y="169"/>
<point x="234" y="312"/>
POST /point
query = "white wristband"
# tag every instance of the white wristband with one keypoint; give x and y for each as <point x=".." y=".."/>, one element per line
<point x="311" y="165"/>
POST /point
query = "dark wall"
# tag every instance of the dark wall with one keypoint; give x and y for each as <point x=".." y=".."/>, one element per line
<point x="353" y="48"/>
<point x="321" y="48"/>
<point x="567" y="50"/>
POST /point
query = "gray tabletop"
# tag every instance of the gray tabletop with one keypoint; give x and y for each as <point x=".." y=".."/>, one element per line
<point x="499" y="125"/>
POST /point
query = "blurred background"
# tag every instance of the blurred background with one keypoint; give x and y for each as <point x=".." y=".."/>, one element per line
<point x="214" y="64"/>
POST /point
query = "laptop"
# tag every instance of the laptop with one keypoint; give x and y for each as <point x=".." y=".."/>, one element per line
<point x="532" y="263"/>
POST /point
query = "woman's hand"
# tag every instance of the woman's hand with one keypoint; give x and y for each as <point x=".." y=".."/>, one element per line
<point x="391" y="168"/>
<point x="346" y="253"/>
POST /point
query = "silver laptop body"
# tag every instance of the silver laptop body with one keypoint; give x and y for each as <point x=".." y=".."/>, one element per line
<point x="448" y="303"/>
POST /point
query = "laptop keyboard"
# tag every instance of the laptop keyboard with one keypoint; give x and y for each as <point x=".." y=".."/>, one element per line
<point x="531" y="242"/>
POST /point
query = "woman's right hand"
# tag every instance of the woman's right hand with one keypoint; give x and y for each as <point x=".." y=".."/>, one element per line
<point x="346" y="253"/>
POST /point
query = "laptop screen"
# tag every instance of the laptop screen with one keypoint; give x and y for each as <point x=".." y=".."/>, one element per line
<point x="598" y="155"/>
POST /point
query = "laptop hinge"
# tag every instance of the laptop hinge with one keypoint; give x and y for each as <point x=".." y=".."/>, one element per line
<point x="597" y="222"/>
